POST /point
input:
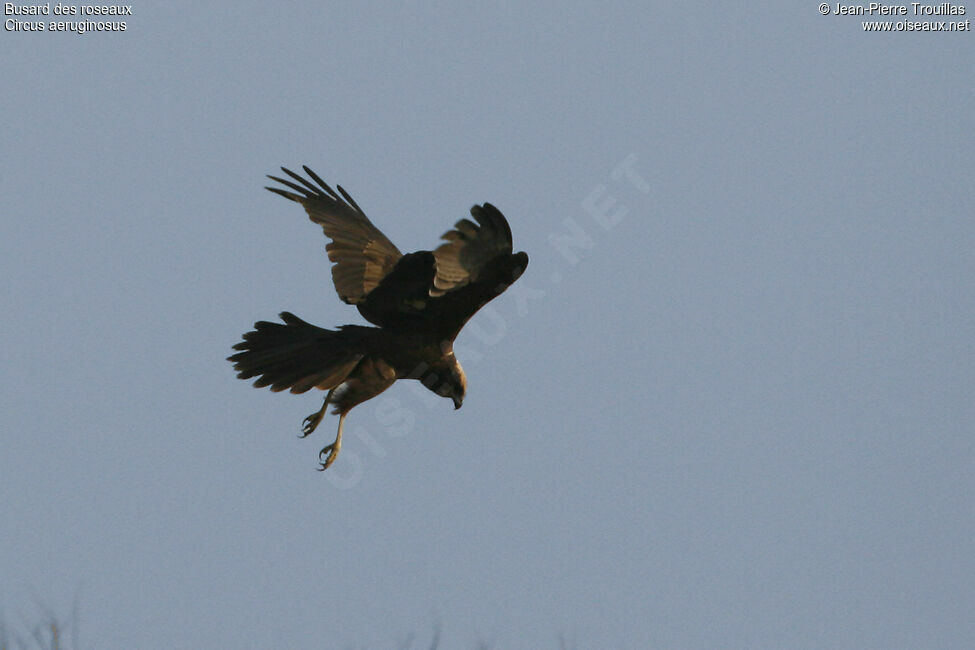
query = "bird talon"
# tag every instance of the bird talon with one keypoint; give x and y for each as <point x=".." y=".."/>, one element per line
<point x="309" y="424"/>
<point x="327" y="456"/>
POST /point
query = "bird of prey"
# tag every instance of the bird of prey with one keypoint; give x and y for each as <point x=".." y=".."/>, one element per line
<point x="418" y="302"/>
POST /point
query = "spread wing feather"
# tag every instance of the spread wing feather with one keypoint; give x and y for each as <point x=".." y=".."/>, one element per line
<point x="433" y="292"/>
<point x="361" y="253"/>
<point x="474" y="266"/>
<point x="469" y="248"/>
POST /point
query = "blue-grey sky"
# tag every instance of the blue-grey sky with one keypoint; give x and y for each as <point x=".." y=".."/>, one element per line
<point x="729" y="404"/>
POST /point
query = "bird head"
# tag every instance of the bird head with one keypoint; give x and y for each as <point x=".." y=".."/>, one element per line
<point x="447" y="380"/>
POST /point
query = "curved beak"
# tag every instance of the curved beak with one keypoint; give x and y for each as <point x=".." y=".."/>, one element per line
<point x="458" y="402"/>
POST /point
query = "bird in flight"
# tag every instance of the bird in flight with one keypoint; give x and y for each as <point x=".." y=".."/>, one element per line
<point x="419" y="302"/>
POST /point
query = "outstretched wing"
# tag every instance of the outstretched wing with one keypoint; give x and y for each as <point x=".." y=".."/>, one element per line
<point x="470" y="248"/>
<point x="434" y="293"/>
<point x="361" y="253"/>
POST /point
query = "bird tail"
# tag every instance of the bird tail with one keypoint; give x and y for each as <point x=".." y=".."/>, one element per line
<point x="299" y="355"/>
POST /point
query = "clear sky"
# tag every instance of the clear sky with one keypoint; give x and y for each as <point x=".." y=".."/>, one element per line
<point x="729" y="404"/>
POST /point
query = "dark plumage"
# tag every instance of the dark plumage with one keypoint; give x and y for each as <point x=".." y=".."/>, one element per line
<point x="418" y="301"/>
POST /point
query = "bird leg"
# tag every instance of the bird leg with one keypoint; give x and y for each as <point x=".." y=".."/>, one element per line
<point x="311" y="422"/>
<point x="329" y="453"/>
